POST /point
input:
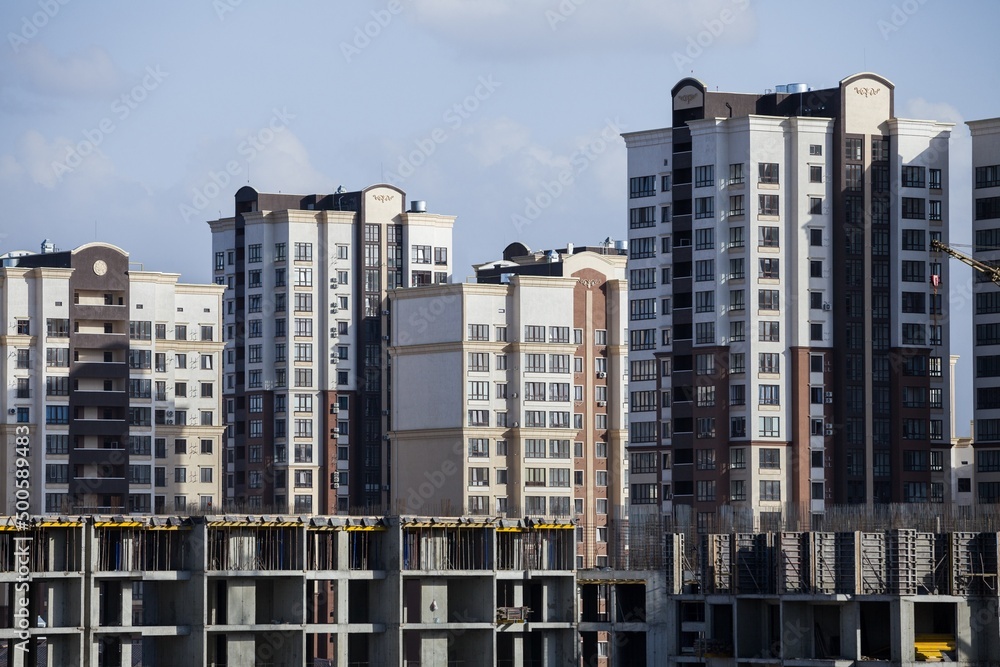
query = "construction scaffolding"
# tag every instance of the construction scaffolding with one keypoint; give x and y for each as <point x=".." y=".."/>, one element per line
<point x="242" y="547"/>
<point x="53" y="549"/>
<point x="147" y="549"/>
<point x="455" y="547"/>
<point x="364" y="549"/>
<point x="534" y="549"/>
<point x="321" y="549"/>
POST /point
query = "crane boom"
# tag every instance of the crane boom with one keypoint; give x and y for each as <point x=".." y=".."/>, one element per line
<point x="991" y="272"/>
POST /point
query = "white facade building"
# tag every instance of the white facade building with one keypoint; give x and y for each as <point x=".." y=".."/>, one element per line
<point x="780" y="279"/>
<point x="986" y="320"/>
<point x="111" y="384"/>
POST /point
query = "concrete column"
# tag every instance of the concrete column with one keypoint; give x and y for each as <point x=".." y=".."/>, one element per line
<point x="341" y="647"/>
<point x="240" y="649"/>
<point x="964" y="650"/>
<point x="518" y="650"/>
<point x="127" y="604"/>
<point x="850" y="631"/>
<point x="240" y="602"/>
<point x="985" y="626"/>
<point x="433" y="601"/>
<point x="433" y="648"/>
<point x="901" y="630"/>
<point x="126" y="645"/>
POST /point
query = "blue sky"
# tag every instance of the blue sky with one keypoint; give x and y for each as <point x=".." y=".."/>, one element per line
<point x="134" y="122"/>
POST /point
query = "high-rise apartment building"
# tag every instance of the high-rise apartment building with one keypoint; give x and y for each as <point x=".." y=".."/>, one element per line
<point x="781" y="283"/>
<point x="112" y="400"/>
<point x="509" y="393"/>
<point x="306" y="328"/>
<point x="986" y="320"/>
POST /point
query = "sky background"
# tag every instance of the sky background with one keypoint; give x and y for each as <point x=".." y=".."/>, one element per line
<point x="135" y="122"/>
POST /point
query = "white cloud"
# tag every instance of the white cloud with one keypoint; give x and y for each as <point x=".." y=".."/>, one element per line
<point x="495" y="139"/>
<point x="513" y="29"/>
<point x="90" y="71"/>
<point x="918" y="107"/>
<point x="270" y="158"/>
<point x="50" y="162"/>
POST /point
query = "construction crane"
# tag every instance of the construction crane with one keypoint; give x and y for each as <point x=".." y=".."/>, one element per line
<point x="991" y="272"/>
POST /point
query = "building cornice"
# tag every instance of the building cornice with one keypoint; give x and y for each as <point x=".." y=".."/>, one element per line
<point x="428" y="220"/>
<point x="648" y="137"/>
<point x="984" y="126"/>
<point x="918" y="126"/>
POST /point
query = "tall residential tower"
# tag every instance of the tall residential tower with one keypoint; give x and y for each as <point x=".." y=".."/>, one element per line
<point x="306" y="329"/>
<point x="986" y="321"/>
<point x="788" y="332"/>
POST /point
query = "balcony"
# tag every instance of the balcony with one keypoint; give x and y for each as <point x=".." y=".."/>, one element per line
<point x="100" y="341"/>
<point x="111" y="485"/>
<point x="99" y="426"/>
<point x="108" y="399"/>
<point x="100" y="312"/>
<point x="100" y="455"/>
<point x="99" y="369"/>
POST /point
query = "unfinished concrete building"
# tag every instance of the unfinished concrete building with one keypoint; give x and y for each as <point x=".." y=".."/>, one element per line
<point x="323" y="591"/>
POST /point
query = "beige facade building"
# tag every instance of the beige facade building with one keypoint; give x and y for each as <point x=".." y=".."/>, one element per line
<point x="111" y="396"/>
<point x="306" y="396"/>
<point x="508" y="394"/>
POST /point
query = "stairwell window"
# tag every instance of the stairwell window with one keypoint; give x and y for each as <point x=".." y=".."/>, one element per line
<point x="704" y="207"/>
<point x="767" y="172"/>
<point x="767" y="204"/>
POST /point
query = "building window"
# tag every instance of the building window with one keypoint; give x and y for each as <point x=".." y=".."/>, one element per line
<point x="479" y="332"/>
<point x="769" y="427"/>
<point x="303" y="252"/>
<point x="767" y="237"/>
<point x="736" y="174"/>
<point x="913" y="271"/>
<point x="704" y="207"/>
<point x="767" y="204"/>
<point x="642" y="186"/>
<point x="853" y="149"/>
<point x="736" y="207"/>
<point x="768" y="331"/>
<point x="770" y="490"/>
<point x="767" y="172"/>
<point x="913" y="208"/>
<point x="913" y="177"/>
<point x="934" y="210"/>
